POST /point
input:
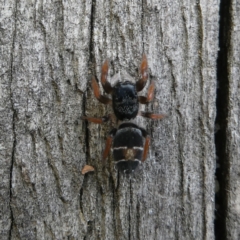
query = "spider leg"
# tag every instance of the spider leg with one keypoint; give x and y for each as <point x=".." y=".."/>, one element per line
<point x="108" y="144"/>
<point x="146" y="147"/>
<point x="106" y="85"/>
<point x="154" y="116"/>
<point x="150" y="95"/>
<point x="147" y="143"/>
<point x="96" y="90"/>
<point x="144" y="74"/>
<point x="97" y="120"/>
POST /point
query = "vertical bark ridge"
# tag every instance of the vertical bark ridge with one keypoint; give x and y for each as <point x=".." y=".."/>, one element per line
<point x="222" y="165"/>
<point x="129" y="210"/>
<point x="91" y="64"/>
<point x="91" y="67"/>
<point x="14" y="116"/>
<point x="91" y="71"/>
<point x="86" y="128"/>
<point x="201" y="66"/>
<point x="142" y="25"/>
<point x="91" y="40"/>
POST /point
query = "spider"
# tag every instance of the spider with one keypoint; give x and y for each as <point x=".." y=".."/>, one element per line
<point x="125" y="100"/>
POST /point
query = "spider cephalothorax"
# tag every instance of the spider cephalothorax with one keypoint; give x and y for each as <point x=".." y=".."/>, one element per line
<point x="125" y="100"/>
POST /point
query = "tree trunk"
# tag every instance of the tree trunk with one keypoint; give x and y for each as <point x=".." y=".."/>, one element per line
<point x="49" y="52"/>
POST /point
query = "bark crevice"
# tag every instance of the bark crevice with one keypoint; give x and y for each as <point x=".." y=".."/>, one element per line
<point x="14" y="117"/>
<point x="86" y="128"/>
<point x="142" y="24"/>
<point x="129" y="209"/>
<point x="91" y="40"/>
<point x="222" y="104"/>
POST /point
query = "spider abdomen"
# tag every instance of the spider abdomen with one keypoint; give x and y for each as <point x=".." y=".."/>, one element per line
<point x="128" y="147"/>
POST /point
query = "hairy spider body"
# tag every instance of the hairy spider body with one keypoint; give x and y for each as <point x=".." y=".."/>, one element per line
<point x="125" y="100"/>
<point x="129" y="149"/>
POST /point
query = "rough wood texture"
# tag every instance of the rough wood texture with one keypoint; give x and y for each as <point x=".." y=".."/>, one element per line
<point x="7" y="135"/>
<point x="49" y="52"/>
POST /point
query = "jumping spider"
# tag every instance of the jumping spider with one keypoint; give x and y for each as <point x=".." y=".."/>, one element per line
<point x="129" y="147"/>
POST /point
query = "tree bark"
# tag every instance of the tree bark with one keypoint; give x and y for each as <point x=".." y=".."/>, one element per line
<point x="49" y="52"/>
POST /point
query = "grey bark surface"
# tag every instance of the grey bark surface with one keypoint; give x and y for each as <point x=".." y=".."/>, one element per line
<point x="48" y="54"/>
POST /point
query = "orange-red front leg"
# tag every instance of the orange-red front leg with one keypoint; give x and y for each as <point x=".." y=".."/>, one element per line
<point x="96" y="90"/>
<point x="97" y="120"/>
